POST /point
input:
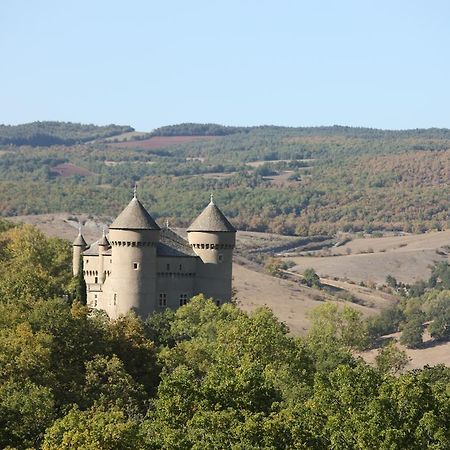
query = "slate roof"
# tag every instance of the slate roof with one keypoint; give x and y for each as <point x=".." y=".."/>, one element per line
<point x="134" y="217"/>
<point x="79" y="241"/>
<point x="104" y="241"/>
<point x="172" y="244"/>
<point x="211" y="219"/>
<point x="93" y="250"/>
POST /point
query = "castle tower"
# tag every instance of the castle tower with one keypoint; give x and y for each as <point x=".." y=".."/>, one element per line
<point x="78" y="246"/>
<point x="212" y="238"/>
<point x="103" y="246"/>
<point x="133" y="238"/>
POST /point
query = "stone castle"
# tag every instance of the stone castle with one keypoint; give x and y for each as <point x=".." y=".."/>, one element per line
<point x="142" y="267"/>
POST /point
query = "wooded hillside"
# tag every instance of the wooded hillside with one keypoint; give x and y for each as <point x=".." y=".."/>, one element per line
<point x="302" y="181"/>
<point x="53" y="133"/>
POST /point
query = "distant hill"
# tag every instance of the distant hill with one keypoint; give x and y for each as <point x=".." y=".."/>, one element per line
<point x="214" y="129"/>
<point x="56" y="133"/>
<point x="287" y="180"/>
<point x="198" y="129"/>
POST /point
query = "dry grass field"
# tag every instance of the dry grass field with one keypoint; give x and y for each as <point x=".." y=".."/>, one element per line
<point x="68" y="169"/>
<point x="408" y="258"/>
<point x="430" y="354"/>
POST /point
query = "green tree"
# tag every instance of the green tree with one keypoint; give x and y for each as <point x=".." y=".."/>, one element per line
<point x="94" y="429"/>
<point x="412" y="331"/>
<point x="391" y="359"/>
<point x="311" y="278"/>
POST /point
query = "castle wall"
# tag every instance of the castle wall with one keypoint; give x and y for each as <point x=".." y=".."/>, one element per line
<point x="175" y="281"/>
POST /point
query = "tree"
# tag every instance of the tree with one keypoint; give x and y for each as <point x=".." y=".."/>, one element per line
<point x="94" y="429"/>
<point x="391" y="281"/>
<point x="335" y="325"/>
<point x="412" y="331"/>
<point x="391" y="359"/>
<point x="311" y="278"/>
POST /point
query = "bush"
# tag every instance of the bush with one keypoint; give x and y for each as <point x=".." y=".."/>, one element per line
<point x="311" y="279"/>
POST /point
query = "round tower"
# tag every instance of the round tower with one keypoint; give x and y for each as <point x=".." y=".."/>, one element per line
<point x="78" y="247"/>
<point x="103" y="246"/>
<point x="213" y="238"/>
<point x="133" y="237"/>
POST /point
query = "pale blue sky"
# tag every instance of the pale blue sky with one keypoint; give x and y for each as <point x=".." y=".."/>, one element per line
<point x="150" y="63"/>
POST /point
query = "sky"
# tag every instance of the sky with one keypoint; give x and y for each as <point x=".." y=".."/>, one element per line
<point x="380" y="64"/>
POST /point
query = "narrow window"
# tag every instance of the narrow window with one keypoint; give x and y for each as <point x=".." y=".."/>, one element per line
<point x="162" y="299"/>
<point x="180" y="267"/>
<point x="95" y="300"/>
<point x="135" y="266"/>
<point x="183" y="299"/>
<point x="220" y="257"/>
<point x="96" y="280"/>
<point x="115" y="299"/>
<point x="167" y="266"/>
<point x="217" y="302"/>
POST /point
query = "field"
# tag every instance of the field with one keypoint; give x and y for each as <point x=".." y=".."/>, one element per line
<point x="408" y="258"/>
<point x="431" y="353"/>
<point x="68" y="170"/>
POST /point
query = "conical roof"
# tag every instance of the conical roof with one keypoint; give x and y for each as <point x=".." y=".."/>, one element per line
<point x="211" y="219"/>
<point x="134" y="217"/>
<point x="103" y="240"/>
<point x="79" y="241"/>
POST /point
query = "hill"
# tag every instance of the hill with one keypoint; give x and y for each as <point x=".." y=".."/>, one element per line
<point x="56" y="133"/>
<point x="298" y="181"/>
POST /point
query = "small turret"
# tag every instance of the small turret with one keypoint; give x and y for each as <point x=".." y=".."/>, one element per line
<point x="78" y="246"/>
<point x="213" y="238"/>
<point x="103" y="246"/>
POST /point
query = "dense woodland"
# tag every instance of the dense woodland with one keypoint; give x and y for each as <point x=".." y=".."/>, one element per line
<point x="305" y="181"/>
<point x="201" y="377"/>
<point x="56" y="133"/>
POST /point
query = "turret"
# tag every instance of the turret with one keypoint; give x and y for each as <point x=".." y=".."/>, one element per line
<point x="212" y="238"/>
<point x="133" y="237"/>
<point x="78" y="246"/>
<point x="103" y="246"/>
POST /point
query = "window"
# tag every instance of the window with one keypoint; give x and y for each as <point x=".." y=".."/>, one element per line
<point x="135" y="266"/>
<point x="96" y="280"/>
<point x="115" y="299"/>
<point x="95" y="300"/>
<point x="167" y="266"/>
<point x="217" y="302"/>
<point x="183" y="299"/>
<point x="180" y="267"/>
<point x="220" y="257"/>
<point x="162" y="299"/>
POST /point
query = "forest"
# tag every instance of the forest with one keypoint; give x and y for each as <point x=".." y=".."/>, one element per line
<point x="56" y="133"/>
<point x="201" y="377"/>
<point x="298" y="181"/>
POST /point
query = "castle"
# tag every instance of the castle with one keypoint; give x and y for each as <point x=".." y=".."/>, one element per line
<point x="144" y="268"/>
